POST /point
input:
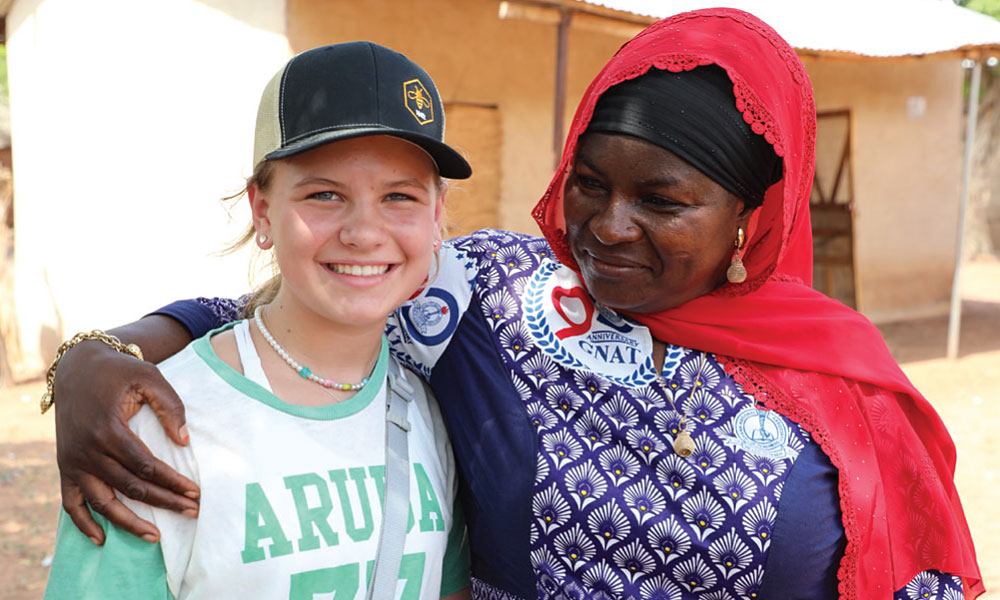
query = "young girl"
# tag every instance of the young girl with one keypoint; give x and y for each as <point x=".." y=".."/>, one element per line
<point x="292" y="409"/>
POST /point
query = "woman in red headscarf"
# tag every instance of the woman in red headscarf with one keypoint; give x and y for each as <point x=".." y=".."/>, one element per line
<point x="664" y="408"/>
<point x="797" y="351"/>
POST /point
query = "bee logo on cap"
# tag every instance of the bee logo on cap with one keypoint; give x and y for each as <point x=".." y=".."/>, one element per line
<point x="418" y="101"/>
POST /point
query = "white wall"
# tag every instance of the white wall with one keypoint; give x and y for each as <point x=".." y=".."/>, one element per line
<point x="907" y="171"/>
<point x="130" y="119"/>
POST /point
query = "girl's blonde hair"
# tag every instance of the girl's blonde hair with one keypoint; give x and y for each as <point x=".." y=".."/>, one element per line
<point x="262" y="175"/>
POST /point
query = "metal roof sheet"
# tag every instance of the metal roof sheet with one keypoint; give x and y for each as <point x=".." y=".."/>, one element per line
<point x="879" y="28"/>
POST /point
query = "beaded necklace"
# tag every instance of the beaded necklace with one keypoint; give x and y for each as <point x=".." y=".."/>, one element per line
<point x="302" y="370"/>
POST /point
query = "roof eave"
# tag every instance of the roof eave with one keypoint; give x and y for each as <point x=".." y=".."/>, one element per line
<point x="971" y="51"/>
<point x="596" y="17"/>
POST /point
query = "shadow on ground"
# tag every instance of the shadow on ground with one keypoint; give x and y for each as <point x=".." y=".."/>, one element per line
<point x="927" y="339"/>
<point x="29" y="494"/>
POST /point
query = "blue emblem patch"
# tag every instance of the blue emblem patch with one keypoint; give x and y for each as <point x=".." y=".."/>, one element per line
<point x="432" y="318"/>
<point x="761" y="432"/>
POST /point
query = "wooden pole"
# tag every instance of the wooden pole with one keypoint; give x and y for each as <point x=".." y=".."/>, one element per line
<point x="558" y="113"/>
<point x="955" y="317"/>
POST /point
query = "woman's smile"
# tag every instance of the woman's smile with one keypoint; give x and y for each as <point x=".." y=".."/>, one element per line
<point x="614" y="266"/>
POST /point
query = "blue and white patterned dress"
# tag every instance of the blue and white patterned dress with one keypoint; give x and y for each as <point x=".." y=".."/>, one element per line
<point x="564" y="433"/>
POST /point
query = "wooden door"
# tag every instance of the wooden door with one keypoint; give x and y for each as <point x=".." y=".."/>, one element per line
<point x="832" y="209"/>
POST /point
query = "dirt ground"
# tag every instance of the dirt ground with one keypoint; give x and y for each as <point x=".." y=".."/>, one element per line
<point x="965" y="391"/>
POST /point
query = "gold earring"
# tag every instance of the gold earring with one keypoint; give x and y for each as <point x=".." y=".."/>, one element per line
<point x="737" y="273"/>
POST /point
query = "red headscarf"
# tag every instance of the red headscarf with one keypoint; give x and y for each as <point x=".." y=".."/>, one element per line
<point x="798" y="351"/>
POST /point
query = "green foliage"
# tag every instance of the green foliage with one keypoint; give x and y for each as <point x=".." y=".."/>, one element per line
<point x="991" y="74"/>
<point x="4" y="95"/>
<point x="987" y="7"/>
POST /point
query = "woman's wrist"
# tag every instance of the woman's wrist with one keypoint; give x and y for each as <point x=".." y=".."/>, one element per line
<point x="158" y="336"/>
<point x="48" y="398"/>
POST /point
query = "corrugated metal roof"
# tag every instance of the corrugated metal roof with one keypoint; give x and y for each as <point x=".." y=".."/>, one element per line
<point x="879" y="28"/>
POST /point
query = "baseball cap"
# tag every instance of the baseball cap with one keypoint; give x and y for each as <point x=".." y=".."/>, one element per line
<point x="350" y="90"/>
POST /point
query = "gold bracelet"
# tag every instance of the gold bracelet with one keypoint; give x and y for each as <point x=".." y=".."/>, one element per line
<point x="48" y="398"/>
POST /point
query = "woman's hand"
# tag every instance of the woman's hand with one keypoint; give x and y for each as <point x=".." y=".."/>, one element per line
<point x="97" y="390"/>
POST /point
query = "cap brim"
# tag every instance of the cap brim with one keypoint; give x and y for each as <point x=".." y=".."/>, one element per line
<point x="449" y="162"/>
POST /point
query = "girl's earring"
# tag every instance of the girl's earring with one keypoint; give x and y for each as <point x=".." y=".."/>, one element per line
<point x="262" y="240"/>
<point x="737" y="273"/>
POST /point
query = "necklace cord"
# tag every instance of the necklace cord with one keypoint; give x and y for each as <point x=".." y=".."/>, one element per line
<point x="304" y="371"/>
<point x="683" y="443"/>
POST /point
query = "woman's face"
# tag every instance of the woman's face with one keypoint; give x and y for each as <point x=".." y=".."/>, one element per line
<point x="648" y="230"/>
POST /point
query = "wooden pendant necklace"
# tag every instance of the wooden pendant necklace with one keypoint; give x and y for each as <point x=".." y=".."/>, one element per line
<point x="683" y="443"/>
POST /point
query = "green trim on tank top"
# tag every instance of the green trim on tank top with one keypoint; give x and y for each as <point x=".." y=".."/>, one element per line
<point x="337" y="410"/>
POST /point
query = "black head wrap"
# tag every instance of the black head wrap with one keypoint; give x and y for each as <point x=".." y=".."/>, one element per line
<point x="693" y="114"/>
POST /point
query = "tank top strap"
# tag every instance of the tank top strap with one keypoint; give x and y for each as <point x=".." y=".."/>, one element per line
<point x="249" y="358"/>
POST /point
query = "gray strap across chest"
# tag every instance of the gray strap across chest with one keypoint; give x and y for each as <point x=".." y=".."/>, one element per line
<point x="396" y="507"/>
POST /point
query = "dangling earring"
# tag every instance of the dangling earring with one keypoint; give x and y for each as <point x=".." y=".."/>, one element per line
<point x="737" y="273"/>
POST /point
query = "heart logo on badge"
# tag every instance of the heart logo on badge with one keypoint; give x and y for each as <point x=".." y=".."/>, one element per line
<point x="558" y="293"/>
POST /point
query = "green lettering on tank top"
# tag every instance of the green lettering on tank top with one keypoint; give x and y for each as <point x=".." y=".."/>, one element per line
<point x="339" y="478"/>
<point x="312" y="518"/>
<point x="377" y="473"/>
<point x="342" y="581"/>
<point x="429" y="504"/>
<point x="261" y="524"/>
<point x="411" y="570"/>
<point x="410" y="521"/>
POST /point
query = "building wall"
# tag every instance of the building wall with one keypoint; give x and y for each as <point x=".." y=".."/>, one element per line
<point x="475" y="58"/>
<point x="125" y="137"/>
<point x="145" y="126"/>
<point x="907" y="168"/>
<point x="130" y="120"/>
<point x="904" y="254"/>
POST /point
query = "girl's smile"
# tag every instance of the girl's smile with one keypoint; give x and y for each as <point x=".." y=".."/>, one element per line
<point x="353" y="225"/>
<point x="359" y="270"/>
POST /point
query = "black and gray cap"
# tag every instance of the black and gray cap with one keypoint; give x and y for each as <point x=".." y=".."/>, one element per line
<point x="352" y="90"/>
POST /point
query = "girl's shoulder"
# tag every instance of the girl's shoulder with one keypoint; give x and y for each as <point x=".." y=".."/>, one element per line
<point x="424" y="403"/>
<point x="225" y="347"/>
